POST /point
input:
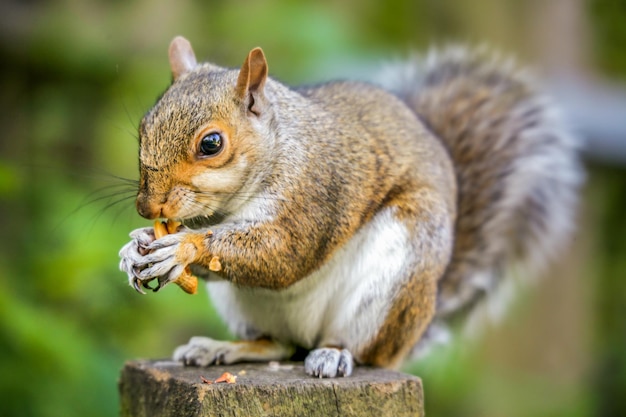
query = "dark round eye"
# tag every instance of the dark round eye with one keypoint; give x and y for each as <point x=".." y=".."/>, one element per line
<point x="211" y="144"/>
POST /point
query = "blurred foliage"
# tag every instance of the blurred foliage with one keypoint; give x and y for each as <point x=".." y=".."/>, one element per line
<point x="609" y="370"/>
<point x="76" y="76"/>
<point x="609" y="35"/>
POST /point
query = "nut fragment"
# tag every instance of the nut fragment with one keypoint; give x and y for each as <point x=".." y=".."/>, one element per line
<point x="186" y="281"/>
<point x="227" y="377"/>
<point x="215" y="264"/>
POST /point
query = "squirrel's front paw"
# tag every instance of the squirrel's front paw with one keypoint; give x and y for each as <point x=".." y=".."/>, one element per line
<point x="131" y="254"/>
<point x="145" y="259"/>
<point x="329" y="363"/>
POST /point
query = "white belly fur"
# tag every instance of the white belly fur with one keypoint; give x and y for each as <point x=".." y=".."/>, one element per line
<point x="343" y="303"/>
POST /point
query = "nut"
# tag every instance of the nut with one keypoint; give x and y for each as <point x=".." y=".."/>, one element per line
<point x="186" y="281"/>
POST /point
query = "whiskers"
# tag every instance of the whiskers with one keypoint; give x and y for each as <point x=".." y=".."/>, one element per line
<point x="242" y="196"/>
<point x="217" y="206"/>
<point x="119" y="194"/>
<point x="204" y="203"/>
<point x="111" y="195"/>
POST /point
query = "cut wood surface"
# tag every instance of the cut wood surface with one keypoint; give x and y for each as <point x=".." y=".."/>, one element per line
<point x="166" y="388"/>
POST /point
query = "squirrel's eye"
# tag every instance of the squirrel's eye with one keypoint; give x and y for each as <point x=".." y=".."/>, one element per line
<point x="211" y="144"/>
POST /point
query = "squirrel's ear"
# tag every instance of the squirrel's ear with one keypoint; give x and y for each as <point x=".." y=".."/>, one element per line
<point x="182" y="58"/>
<point x="251" y="79"/>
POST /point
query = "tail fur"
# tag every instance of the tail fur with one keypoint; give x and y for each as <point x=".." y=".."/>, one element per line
<point x="516" y="162"/>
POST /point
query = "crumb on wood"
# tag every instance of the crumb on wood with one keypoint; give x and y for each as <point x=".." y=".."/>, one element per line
<point x="227" y="377"/>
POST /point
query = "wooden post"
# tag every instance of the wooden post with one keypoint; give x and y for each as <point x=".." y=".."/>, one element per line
<point x="166" y="388"/>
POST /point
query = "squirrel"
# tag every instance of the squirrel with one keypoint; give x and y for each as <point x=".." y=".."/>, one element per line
<point x="349" y="219"/>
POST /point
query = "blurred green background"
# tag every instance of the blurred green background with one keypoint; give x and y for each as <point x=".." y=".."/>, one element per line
<point x="75" y="78"/>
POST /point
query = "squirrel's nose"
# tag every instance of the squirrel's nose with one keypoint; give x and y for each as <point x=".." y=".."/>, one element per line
<point x="147" y="209"/>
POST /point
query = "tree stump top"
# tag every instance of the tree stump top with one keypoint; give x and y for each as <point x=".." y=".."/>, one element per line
<point x="166" y="388"/>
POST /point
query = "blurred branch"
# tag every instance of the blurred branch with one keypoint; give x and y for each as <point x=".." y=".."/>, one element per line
<point x="597" y="111"/>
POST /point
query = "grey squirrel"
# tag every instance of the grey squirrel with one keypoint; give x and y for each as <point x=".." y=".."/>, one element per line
<point x="346" y="218"/>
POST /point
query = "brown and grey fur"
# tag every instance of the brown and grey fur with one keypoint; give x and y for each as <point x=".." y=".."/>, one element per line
<point x="311" y="175"/>
<point x="516" y="164"/>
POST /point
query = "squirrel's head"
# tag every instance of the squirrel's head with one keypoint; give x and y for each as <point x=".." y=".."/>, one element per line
<point x="201" y="142"/>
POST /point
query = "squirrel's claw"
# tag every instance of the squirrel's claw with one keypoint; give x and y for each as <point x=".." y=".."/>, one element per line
<point x="162" y="282"/>
<point x="171" y="276"/>
<point x="137" y="285"/>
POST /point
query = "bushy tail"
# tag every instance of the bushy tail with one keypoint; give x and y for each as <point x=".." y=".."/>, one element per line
<point x="517" y="166"/>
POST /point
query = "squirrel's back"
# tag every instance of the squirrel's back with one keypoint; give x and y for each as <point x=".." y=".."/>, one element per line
<point x="516" y="163"/>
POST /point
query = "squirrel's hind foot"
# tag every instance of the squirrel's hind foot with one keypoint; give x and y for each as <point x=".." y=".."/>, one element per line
<point x="329" y="363"/>
<point x="204" y="351"/>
